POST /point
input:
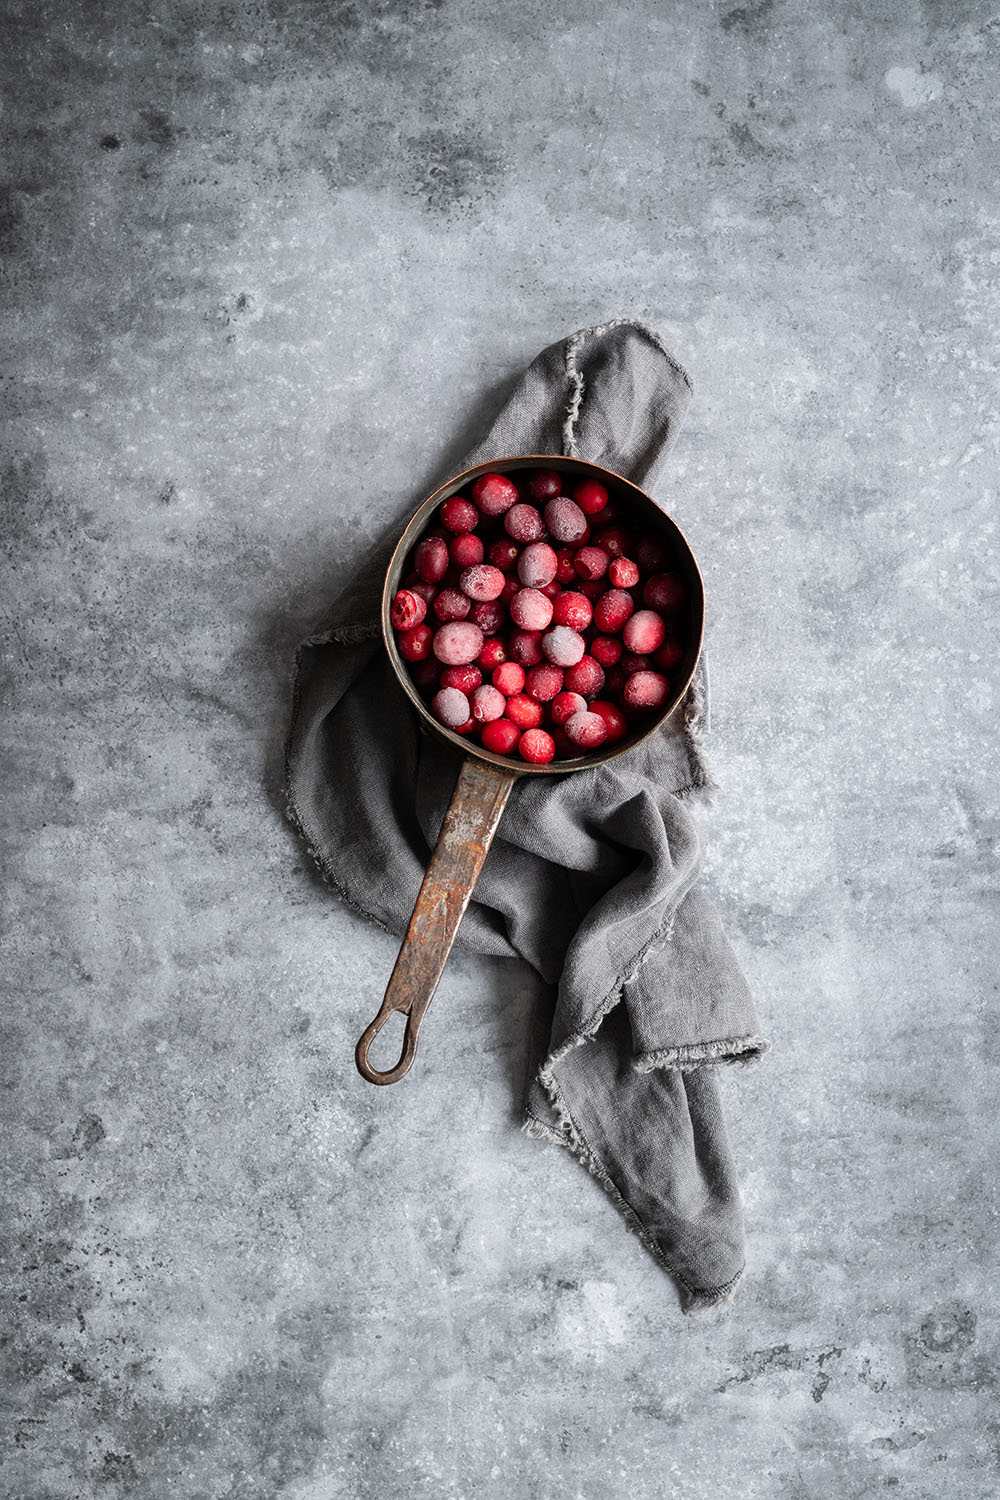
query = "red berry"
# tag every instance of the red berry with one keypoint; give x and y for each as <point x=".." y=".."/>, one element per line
<point x="670" y="654"/>
<point x="615" y="541"/>
<point x="615" y="680"/>
<point x="451" y="604"/>
<point x="503" y="554"/>
<point x="431" y="559"/>
<point x="468" y="727"/>
<point x="543" y="682"/>
<point x="459" y="515"/>
<point x="482" y="582"/>
<point x="612" y="610"/>
<point x="552" y="590"/>
<point x="530" y="609"/>
<point x="586" y="730"/>
<point x="450" y="708"/>
<point x="645" y="690"/>
<point x="591" y="562"/>
<point x="489" y="616"/>
<point x="632" y="662"/>
<point x="573" y="609"/>
<point x="563" y="645"/>
<point x="614" y="719"/>
<point x="493" y="653"/>
<point x="564" y="705"/>
<point x="536" y="567"/>
<point x="494" y="494"/>
<point x="592" y="588"/>
<point x="509" y="678"/>
<point x="408" y="609"/>
<point x="536" y="746"/>
<point x="424" y="591"/>
<point x="652" y="554"/>
<point x="623" y="573"/>
<point x="427" y="674"/>
<point x="523" y="711"/>
<point x="565" y="571"/>
<point x="415" y="644"/>
<point x="466" y="679"/>
<point x="566" y="521"/>
<point x="524" y="523"/>
<point x="544" y="484"/>
<point x="500" y="736"/>
<point x="587" y="677"/>
<point x="606" y="649"/>
<point x="457" y="643"/>
<point x="510" y="588"/>
<point x="487" y="703"/>
<point x="644" y="631"/>
<point x="666" y="592"/>
<point x="590" y="497"/>
<point x="466" y="550"/>
<point x="525" y="647"/>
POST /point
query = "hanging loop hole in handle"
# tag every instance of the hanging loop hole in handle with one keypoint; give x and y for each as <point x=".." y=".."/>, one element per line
<point x="386" y="1075"/>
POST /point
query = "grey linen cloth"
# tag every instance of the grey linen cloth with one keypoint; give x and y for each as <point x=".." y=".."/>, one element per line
<point x="592" y="878"/>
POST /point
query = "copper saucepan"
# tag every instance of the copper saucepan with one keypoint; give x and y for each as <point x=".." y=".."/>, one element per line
<point x="485" y="780"/>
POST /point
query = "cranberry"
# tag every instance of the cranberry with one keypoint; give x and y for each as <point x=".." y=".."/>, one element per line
<point x="415" y="644"/>
<point x="590" y="496"/>
<point x="489" y="616"/>
<point x="451" y="604"/>
<point x="652" y="554"/>
<point x="544" y="484"/>
<point x="612" y="610"/>
<point x="523" y="711"/>
<point x="623" y="573"/>
<point x="586" y="678"/>
<point x="543" y="682"/>
<point x="487" y="703"/>
<point x="644" y="631"/>
<point x="666" y="592"/>
<point x="566" y="521"/>
<point x="530" y="609"/>
<point x="466" y="550"/>
<point x="614" y="719"/>
<point x="564" y="705"/>
<point x="482" y="582"/>
<point x="606" y="649"/>
<point x="563" y="646"/>
<point x="552" y="590"/>
<point x="408" y="609"/>
<point x="450" y="708"/>
<point x="573" y="609"/>
<point x="431" y="559"/>
<point x="503" y="554"/>
<point x="457" y="643"/>
<point x="466" y="679"/>
<point x="458" y="514"/>
<point x="670" y="654"/>
<point x="524" y="523"/>
<point x="645" y="690"/>
<point x="509" y="589"/>
<point x="591" y="562"/>
<point x="526" y="647"/>
<point x="592" y="588"/>
<point x="424" y="591"/>
<point x="536" y="567"/>
<point x="565" y="571"/>
<point x="492" y="654"/>
<point x="615" y="541"/>
<point x="586" y="730"/>
<point x="500" y="736"/>
<point x="509" y="678"/>
<point x="427" y="674"/>
<point x="632" y="662"/>
<point x="536" y="746"/>
<point x="494" y="494"/>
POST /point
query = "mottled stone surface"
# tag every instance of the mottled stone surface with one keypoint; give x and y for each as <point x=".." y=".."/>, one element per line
<point x="267" y="266"/>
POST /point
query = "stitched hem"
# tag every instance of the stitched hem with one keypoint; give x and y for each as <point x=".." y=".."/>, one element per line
<point x="745" y="1050"/>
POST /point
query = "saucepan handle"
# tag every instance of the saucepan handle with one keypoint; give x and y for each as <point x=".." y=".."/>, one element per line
<point x="473" y="816"/>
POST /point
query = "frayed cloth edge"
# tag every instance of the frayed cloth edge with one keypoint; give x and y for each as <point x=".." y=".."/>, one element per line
<point x="744" y="1050"/>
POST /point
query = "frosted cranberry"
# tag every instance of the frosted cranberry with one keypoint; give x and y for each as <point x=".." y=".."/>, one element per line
<point x="525" y="647"/>
<point x="565" y="571"/>
<point x="586" y="730"/>
<point x="500" y="736"/>
<point x="431" y="559"/>
<point x="587" y="677"/>
<point x="565" y="705"/>
<point x="509" y="678"/>
<point x="487" y="703"/>
<point x="482" y="582"/>
<point x="530" y="609"/>
<point x="466" y="679"/>
<point x="652" y="554"/>
<point x="644" y="631"/>
<point x="623" y="573"/>
<point x="459" y="515"/>
<point x="666" y="592"/>
<point x="543" y="682"/>
<point x="493" y="653"/>
<point x="632" y="662"/>
<point x="606" y="649"/>
<point x="566" y="521"/>
<point x="450" y="708"/>
<point x="427" y="674"/>
<point x="537" y="565"/>
<point x="591" y="562"/>
<point x="563" y="645"/>
<point x="415" y="644"/>
<point x="590" y="497"/>
<point x="451" y="604"/>
<point x="615" y="541"/>
<point x="503" y="554"/>
<point x="494" y="494"/>
<point x="670" y="654"/>
<point x="435" y="533"/>
<point x="573" y="609"/>
<point x="509" y="589"/>
<point x="408" y="609"/>
<point x="544" y="484"/>
<point x="614" y="719"/>
<point x="612" y="610"/>
<point x="645" y="690"/>
<point x="523" y="711"/>
<point x="524" y="523"/>
<point x="536" y="746"/>
<point x="457" y="643"/>
<point x="424" y="591"/>
<point x="466" y="550"/>
<point x="489" y="616"/>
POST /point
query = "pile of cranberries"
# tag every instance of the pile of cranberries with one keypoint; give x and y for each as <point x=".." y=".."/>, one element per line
<point x="540" y="624"/>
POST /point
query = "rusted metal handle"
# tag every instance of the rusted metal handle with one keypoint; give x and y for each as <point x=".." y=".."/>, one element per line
<point x="476" y="808"/>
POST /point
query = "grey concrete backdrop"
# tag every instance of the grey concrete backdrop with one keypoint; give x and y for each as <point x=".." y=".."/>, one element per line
<point x="268" y="266"/>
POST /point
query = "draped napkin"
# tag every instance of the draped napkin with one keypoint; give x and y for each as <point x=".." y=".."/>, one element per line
<point x="593" y="876"/>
